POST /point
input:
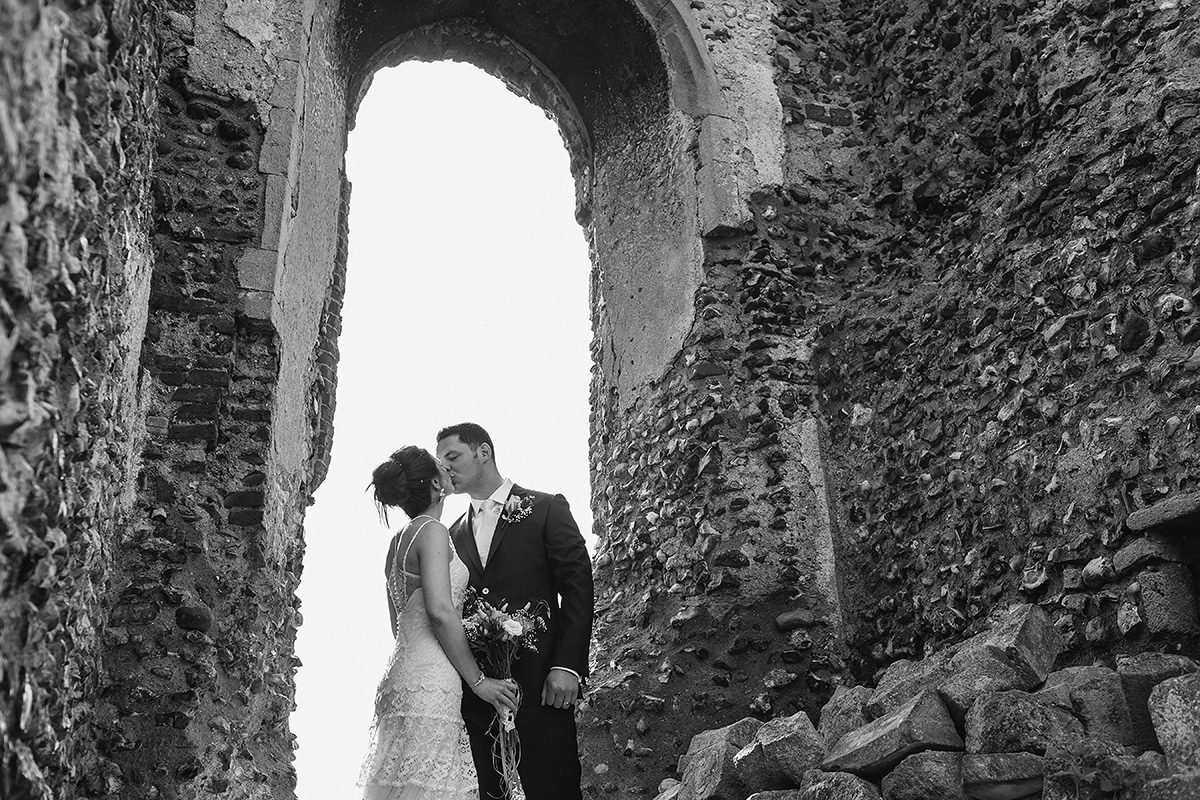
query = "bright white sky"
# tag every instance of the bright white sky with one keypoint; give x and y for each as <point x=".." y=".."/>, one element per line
<point x="466" y="299"/>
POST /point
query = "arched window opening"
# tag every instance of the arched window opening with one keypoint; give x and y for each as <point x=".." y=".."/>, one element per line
<point x="466" y="299"/>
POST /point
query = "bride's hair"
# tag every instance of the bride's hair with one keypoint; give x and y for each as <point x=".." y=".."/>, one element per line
<point x="404" y="480"/>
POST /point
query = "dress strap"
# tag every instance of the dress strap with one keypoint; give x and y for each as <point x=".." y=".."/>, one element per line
<point x="404" y="559"/>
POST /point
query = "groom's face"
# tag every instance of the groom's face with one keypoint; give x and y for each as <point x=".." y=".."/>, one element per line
<point x="464" y="464"/>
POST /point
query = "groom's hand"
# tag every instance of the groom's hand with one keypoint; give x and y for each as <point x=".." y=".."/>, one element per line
<point x="560" y="690"/>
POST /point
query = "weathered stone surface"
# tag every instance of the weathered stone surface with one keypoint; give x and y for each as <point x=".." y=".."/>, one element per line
<point x="903" y="680"/>
<point x="708" y="768"/>
<point x="1175" y="511"/>
<point x="756" y="771"/>
<point x="844" y="712"/>
<point x="932" y="775"/>
<point x="1148" y="550"/>
<point x="1002" y="776"/>
<point x="792" y="744"/>
<point x="1017" y="653"/>
<point x="1168" y="600"/>
<point x="1184" y="786"/>
<point x="1096" y="697"/>
<point x="777" y="794"/>
<point x="1016" y="721"/>
<point x="1140" y="673"/>
<point x="874" y="749"/>
<point x="1175" y="710"/>
<point x="1095" y="768"/>
<point x="820" y="785"/>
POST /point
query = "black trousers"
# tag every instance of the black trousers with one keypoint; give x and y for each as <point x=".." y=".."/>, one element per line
<point x="549" y="765"/>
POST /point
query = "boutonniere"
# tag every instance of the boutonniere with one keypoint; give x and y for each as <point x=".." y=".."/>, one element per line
<point x="517" y="508"/>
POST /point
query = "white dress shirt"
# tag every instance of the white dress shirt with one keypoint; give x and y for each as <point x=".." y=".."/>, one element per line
<point x="486" y="516"/>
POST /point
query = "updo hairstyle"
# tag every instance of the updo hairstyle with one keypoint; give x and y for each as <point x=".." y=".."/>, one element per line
<point x="404" y="481"/>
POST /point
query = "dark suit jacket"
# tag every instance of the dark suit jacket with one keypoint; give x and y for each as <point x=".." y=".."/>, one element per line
<point x="540" y="558"/>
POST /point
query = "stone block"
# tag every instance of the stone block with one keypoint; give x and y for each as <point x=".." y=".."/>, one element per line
<point x="756" y="771"/>
<point x="1015" y="722"/>
<point x="1095" y="695"/>
<point x="1002" y="776"/>
<point x="980" y="670"/>
<point x="708" y="766"/>
<point x="777" y="794"/>
<point x="793" y="745"/>
<point x="1184" y="786"/>
<point x="820" y="785"/>
<point x="1174" y="512"/>
<point x="1148" y="550"/>
<point x="874" y="749"/>
<point x="844" y="712"/>
<point x="1175" y="710"/>
<point x="932" y="775"/>
<point x="903" y="680"/>
<point x="1168" y="601"/>
<point x="1018" y="652"/>
<point x="1025" y="635"/>
<point x="1140" y="673"/>
<point x="256" y="269"/>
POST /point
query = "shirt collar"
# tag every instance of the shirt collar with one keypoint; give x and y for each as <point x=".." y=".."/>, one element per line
<point x="500" y="495"/>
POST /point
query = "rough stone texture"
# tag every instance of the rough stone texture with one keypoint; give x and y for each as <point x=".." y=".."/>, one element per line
<point x="793" y="745"/>
<point x="1014" y="722"/>
<point x="1095" y="695"/>
<point x="837" y="786"/>
<point x="756" y="771"/>
<point x="1002" y="776"/>
<point x="77" y="133"/>
<point x="780" y="794"/>
<point x="1097" y="768"/>
<point x="708" y="768"/>
<point x="1185" y="786"/>
<point x="897" y="296"/>
<point x="1140" y="673"/>
<point x="1168" y="600"/>
<point x="1148" y="550"/>
<point x="1179" y="511"/>
<point x="904" y="680"/>
<point x="1175" y="710"/>
<point x="920" y="724"/>
<point x="932" y="775"/>
<point x="844" y="712"/>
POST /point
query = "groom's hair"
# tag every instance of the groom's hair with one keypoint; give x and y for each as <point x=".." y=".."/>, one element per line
<point x="470" y="434"/>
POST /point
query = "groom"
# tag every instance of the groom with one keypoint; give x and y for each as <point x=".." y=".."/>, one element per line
<point x="523" y="546"/>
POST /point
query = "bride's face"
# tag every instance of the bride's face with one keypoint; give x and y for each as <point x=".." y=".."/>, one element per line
<point x="446" y="480"/>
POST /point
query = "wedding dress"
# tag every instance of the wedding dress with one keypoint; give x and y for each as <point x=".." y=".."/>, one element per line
<point x="419" y="748"/>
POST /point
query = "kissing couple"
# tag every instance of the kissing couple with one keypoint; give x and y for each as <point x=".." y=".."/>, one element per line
<point x="436" y="711"/>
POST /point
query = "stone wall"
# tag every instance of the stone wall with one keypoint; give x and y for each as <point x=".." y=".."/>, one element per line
<point x="1009" y="372"/>
<point x="895" y="323"/>
<point x="76" y="138"/>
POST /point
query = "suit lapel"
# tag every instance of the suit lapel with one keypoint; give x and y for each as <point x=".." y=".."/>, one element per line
<point x="464" y="542"/>
<point x="502" y="525"/>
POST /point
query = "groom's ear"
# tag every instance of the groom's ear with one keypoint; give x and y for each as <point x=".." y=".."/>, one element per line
<point x="485" y="450"/>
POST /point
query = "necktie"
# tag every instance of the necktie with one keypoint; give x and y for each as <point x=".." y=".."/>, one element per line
<point x="485" y="527"/>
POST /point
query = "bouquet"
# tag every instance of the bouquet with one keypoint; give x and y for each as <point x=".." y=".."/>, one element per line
<point x="498" y="637"/>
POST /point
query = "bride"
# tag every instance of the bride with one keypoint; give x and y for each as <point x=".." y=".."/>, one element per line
<point x="419" y="748"/>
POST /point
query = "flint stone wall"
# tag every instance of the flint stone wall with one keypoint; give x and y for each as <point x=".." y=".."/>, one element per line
<point x="931" y="340"/>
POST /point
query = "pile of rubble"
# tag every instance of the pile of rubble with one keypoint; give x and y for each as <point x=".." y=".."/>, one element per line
<point x="986" y="719"/>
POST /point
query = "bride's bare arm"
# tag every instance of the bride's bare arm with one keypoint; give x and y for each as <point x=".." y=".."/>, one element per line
<point x="433" y="554"/>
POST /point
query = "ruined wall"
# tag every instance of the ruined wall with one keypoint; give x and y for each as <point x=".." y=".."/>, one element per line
<point x="897" y="326"/>
<point x="1010" y="372"/>
<point x="76" y="140"/>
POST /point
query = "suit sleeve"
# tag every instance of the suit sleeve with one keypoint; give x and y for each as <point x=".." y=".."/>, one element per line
<point x="571" y="569"/>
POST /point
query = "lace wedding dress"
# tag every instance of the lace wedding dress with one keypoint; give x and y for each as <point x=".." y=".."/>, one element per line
<point x="419" y="748"/>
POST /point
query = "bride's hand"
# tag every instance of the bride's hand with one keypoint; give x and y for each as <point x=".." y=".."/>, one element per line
<point x="501" y="694"/>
